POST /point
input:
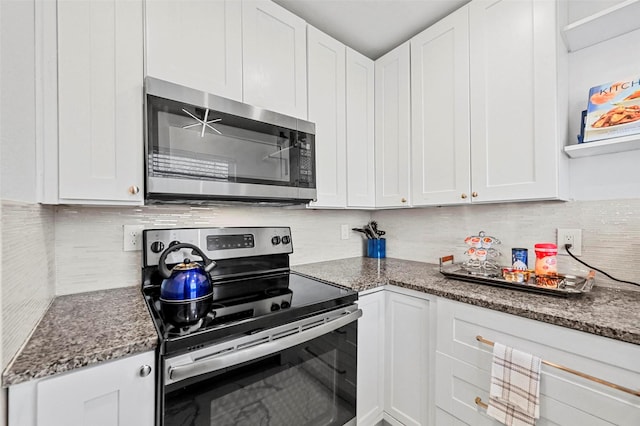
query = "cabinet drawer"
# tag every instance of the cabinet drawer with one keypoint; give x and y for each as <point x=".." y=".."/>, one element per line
<point x="608" y="359"/>
<point x="562" y="402"/>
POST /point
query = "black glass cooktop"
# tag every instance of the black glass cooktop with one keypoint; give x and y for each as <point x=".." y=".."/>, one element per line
<point x="245" y="306"/>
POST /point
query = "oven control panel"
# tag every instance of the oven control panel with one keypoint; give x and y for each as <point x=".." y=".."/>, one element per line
<point x="216" y="243"/>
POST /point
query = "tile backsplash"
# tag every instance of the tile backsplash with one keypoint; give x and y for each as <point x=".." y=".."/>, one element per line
<point x="610" y="232"/>
<point x="28" y="271"/>
<point x="71" y="249"/>
<point x="88" y="244"/>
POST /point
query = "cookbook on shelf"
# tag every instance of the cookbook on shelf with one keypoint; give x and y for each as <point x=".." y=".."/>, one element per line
<point x="613" y="110"/>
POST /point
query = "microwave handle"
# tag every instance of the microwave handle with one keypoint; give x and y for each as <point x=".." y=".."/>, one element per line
<point x="197" y="368"/>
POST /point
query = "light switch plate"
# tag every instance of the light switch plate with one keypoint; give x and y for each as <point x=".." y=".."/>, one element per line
<point x="344" y="232"/>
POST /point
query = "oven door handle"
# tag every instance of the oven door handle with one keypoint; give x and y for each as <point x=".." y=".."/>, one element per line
<point x="181" y="372"/>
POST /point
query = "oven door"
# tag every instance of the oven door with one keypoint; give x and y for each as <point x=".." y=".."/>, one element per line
<point x="302" y="373"/>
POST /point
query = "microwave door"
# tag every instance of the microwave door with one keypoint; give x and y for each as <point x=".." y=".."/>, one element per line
<point x="199" y="153"/>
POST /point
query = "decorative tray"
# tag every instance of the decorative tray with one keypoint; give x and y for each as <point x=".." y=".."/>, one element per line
<point x="557" y="285"/>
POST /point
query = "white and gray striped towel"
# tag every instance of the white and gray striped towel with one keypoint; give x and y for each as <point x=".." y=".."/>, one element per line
<point x="514" y="394"/>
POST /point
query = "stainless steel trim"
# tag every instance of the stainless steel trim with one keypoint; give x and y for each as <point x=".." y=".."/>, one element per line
<point x="176" y="92"/>
<point x="198" y="237"/>
<point x="270" y="341"/>
<point x="192" y="187"/>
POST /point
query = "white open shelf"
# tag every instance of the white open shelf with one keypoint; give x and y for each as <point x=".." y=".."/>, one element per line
<point x="607" y="146"/>
<point x="604" y="25"/>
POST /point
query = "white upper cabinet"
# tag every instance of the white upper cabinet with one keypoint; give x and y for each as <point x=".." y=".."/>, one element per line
<point x="274" y="58"/>
<point x="392" y="128"/>
<point x="196" y="43"/>
<point x="100" y="74"/>
<point x="440" y="160"/>
<point x="360" y="131"/>
<point x="518" y="100"/>
<point x="341" y="84"/>
<point x="326" y="80"/>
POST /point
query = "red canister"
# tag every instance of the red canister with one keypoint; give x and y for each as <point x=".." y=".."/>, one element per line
<point x="546" y="259"/>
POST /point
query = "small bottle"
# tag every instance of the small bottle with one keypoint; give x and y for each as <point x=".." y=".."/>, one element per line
<point x="546" y="259"/>
<point x="520" y="258"/>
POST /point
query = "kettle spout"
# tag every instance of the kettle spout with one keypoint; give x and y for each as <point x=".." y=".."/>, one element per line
<point x="212" y="264"/>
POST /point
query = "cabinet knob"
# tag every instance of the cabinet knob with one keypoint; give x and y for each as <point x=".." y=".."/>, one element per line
<point x="474" y="194"/>
<point x="403" y="200"/>
<point x="463" y="196"/>
<point x="133" y="189"/>
<point x="145" y="370"/>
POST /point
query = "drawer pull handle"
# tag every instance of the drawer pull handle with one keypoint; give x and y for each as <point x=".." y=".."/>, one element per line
<point x="572" y="371"/>
<point x="481" y="404"/>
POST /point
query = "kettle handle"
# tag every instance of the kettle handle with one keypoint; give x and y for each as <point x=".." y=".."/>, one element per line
<point x="162" y="263"/>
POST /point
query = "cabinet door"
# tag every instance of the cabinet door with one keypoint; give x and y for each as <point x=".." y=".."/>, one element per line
<point x="327" y="111"/>
<point x="197" y="44"/>
<point x="100" y="101"/>
<point x="440" y="151"/>
<point x="463" y="367"/>
<point x="407" y="359"/>
<point x="274" y="58"/>
<point x="110" y="394"/>
<point x="392" y="107"/>
<point x="515" y="147"/>
<point x="371" y="346"/>
<point x="360" y="126"/>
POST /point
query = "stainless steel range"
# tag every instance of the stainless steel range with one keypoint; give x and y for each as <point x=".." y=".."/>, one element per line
<point x="266" y="346"/>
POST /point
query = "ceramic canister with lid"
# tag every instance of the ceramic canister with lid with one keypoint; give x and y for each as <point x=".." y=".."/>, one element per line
<point x="546" y="259"/>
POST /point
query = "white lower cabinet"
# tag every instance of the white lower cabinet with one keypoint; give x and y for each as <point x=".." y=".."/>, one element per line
<point x="393" y="358"/>
<point x="116" y="393"/>
<point x="407" y="359"/>
<point x="463" y="368"/>
<point x="370" y="406"/>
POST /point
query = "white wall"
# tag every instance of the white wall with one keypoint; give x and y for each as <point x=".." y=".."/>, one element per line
<point x="17" y="89"/>
<point x="3" y="392"/>
<point x="26" y="229"/>
<point x="610" y="176"/>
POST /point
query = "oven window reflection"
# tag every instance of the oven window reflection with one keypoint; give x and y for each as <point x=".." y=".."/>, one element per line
<point x="310" y="384"/>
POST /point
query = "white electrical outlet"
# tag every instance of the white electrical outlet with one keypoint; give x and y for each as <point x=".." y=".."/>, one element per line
<point x="344" y="231"/>
<point x="132" y="237"/>
<point x="570" y="236"/>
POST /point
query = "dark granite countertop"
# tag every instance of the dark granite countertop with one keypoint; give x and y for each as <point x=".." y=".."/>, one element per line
<point x="88" y="328"/>
<point x="84" y="329"/>
<point x="603" y="311"/>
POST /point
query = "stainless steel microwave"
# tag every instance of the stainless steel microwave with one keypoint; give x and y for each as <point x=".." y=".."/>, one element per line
<point x="201" y="147"/>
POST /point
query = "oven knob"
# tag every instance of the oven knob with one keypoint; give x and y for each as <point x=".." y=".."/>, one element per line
<point x="285" y="304"/>
<point x="275" y="307"/>
<point x="157" y="246"/>
<point x="286" y="239"/>
<point x="275" y="240"/>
